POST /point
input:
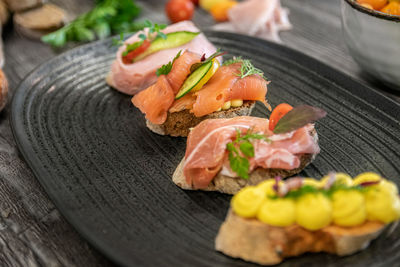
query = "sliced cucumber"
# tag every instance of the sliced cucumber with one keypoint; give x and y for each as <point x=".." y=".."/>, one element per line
<point x="174" y="39"/>
<point x="194" y="79"/>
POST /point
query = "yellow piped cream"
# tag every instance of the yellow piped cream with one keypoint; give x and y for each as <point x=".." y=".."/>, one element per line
<point x="348" y="208"/>
<point x="313" y="211"/>
<point x="346" y="205"/>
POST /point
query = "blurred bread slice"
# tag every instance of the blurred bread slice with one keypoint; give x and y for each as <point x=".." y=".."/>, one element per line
<point x="3" y="90"/>
<point x="20" y="5"/>
<point x="39" y="21"/>
<point x="4" y="13"/>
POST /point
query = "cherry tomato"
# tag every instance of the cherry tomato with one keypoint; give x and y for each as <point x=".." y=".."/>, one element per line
<point x="134" y="53"/>
<point x="178" y="10"/>
<point x="376" y="4"/>
<point x="277" y="114"/>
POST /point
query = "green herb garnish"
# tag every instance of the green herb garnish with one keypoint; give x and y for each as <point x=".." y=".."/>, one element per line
<point x="165" y="69"/>
<point x="154" y="32"/>
<point x="240" y="150"/>
<point x="106" y="17"/>
<point x="120" y="41"/>
<point x="309" y="189"/>
<point x="298" y="117"/>
<point x="246" y="69"/>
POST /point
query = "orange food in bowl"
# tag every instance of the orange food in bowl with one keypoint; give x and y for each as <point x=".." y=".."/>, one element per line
<point x="220" y="10"/>
<point x="376" y="4"/>
<point x="366" y="5"/>
<point x="393" y="8"/>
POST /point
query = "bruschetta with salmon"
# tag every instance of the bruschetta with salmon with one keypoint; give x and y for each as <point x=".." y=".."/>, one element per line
<point x="192" y="88"/>
<point x="227" y="154"/>
<point x="279" y="219"/>
<point x="138" y="58"/>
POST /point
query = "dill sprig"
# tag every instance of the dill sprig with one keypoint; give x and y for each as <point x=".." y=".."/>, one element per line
<point x="246" y="69"/>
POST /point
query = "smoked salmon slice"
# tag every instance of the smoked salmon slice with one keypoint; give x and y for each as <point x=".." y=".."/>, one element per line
<point x="249" y="88"/>
<point x="155" y="101"/>
<point x="185" y="102"/>
<point x="216" y="91"/>
<point x="181" y="69"/>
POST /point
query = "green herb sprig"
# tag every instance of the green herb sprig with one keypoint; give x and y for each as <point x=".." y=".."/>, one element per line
<point x="107" y="17"/>
<point x="165" y="69"/>
<point x="309" y="189"/>
<point x="246" y="69"/>
<point x="240" y="150"/>
<point x="154" y="32"/>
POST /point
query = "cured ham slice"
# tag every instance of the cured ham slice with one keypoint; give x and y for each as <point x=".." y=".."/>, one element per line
<point x="132" y="78"/>
<point x="260" y="18"/>
<point x="206" y="148"/>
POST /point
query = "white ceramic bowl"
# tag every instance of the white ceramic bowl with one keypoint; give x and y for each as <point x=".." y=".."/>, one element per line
<point x="373" y="39"/>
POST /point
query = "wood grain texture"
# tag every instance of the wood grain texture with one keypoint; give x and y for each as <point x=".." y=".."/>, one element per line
<point x="32" y="232"/>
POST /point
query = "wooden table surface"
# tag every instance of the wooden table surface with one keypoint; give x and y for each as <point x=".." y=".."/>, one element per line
<point x="32" y="231"/>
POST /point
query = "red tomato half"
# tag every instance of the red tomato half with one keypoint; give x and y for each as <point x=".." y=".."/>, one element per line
<point x="277" y="114"/>
<point x="178" y="10"/>
<point x="134" y="53"/>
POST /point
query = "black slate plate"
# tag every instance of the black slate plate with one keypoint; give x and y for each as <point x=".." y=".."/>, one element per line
<point x="110" y="176"/>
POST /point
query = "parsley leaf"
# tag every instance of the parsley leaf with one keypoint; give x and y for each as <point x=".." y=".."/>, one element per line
<point x="240" y="150"/>
<point x="247" y="149"/>
<point x="165" y="69"/>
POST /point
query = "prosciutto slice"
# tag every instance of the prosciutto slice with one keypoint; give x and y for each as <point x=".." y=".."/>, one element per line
<point x="206" y="153"/>
<point x="132" y="78"/>
<point x="260" y="18"/>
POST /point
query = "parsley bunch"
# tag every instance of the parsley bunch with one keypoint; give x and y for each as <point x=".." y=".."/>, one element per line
<point x="107" y="17"/>
<point x="240" y="150"/>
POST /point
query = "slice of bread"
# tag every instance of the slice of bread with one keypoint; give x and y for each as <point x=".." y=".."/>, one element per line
<point x="252" y="240"/>
<point x="180" y="123"/>
<point x="232" y="185"/>
<point x="3" y="90"/>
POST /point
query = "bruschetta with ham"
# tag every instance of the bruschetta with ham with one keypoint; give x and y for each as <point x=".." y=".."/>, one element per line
<point x="227" y="154"/>
<point x="138" y="58"/>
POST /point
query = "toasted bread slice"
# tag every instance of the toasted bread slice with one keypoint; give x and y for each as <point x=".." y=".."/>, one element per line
<point x="232" y="185"/>
<point x="180" y="123"/>
<point x="254" y="241"/>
